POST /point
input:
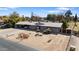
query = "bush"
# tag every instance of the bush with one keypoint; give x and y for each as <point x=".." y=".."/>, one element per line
<point x="64" y="25"/>
<point x="72" y="49"/>
<point x="47" y="31"/>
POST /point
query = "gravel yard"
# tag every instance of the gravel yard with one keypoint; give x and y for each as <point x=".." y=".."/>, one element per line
<point x="50" y="42"/>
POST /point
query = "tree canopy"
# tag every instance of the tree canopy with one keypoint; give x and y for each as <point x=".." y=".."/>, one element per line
<point x="75" y="19"/>
<point x="68" y="13"/>
<point x="13" y="18"/>
<point x="65" y="24"/>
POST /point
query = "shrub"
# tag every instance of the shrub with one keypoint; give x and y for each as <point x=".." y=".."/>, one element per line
<point x="47" y="31"/>
<point x="72" y="49"/>
<point x="65" y="25"/>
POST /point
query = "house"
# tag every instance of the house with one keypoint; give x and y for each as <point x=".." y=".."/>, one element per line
<point x="55" y="27"/>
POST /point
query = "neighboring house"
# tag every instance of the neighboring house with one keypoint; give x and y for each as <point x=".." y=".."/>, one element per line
<point x="55" y="27"/>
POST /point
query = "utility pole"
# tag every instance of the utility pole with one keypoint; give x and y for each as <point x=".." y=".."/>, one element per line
<point x="75" y="25"/>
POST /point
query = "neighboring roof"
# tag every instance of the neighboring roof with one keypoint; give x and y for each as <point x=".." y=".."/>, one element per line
<point x="49" y="24"/>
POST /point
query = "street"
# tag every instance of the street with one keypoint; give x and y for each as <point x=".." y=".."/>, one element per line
<point x="6" y="45"/>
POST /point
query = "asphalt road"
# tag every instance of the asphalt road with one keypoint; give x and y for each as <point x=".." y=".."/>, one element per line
<point x="6" y="45"/>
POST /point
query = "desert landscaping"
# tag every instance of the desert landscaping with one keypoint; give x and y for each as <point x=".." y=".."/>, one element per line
<point x="35" y="32"/>
<point x="37" y="40"/>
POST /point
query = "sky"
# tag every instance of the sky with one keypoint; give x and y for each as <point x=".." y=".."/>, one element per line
<point x="38" y="11"/>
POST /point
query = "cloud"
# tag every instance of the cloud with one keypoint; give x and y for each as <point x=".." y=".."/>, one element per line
<point x="13" y="7"/>
<point x="63" y="8"/>
<point x="56" y="11"/>
<point x="60" y="10"/>
<point x="53" y="11"/>
<point x="7" y="8"/>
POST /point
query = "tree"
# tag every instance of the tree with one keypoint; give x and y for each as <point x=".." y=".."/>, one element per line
<point x="60" y="18"/>
<point x="27" y="18"/>
<point x="51" y="17"/>
<point x="23" y="18"/>
<point x="68" y="14"/>
<point x="75" y="19"/>
<point x="5" y="19"/>
<point x="13" y="19"/>
<point x="64" y="25"/>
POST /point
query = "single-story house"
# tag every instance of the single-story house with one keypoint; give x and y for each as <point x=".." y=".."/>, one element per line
<point x="55" y="27"/>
